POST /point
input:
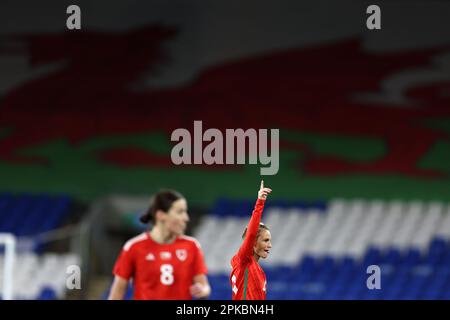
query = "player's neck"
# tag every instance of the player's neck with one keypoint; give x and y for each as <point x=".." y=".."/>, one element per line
<point x="162" y="236"/>
<point x="256" y="257"/>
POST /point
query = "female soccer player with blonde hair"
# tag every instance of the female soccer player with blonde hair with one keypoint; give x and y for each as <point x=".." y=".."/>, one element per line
<point x="247" y="278"/>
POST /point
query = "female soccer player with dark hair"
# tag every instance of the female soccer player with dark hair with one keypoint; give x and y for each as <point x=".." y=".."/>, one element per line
<point x="247" y="278"/>
<point x="162" y="262"/>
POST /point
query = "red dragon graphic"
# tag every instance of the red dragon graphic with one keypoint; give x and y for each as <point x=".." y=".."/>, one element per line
<point x="96" y="90"/>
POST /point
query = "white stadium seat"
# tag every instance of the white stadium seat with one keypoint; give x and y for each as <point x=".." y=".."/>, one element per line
<point x="345" y="228"/>
<point x="33" y="273"/>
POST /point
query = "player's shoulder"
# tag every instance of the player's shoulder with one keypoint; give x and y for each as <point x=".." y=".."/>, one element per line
<point x="234" y="261"/>
<point x="239" y="261"/>
<point x="135" y="241"/>
<point x="190" y="240"/>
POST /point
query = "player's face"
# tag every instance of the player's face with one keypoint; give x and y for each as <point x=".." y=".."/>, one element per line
<point x="177" y="217"/>
<point x="263" y="244"/>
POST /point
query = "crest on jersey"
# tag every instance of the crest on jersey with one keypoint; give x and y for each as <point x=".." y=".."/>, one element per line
<point x="181" y="254"/>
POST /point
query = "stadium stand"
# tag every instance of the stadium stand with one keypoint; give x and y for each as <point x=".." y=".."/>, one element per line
<point x="41" y="277"/>
<point x="37" y="274"/>
<point x="322" y="251"/>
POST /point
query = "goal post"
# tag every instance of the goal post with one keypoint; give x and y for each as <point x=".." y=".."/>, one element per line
<point x="8" y="241"/>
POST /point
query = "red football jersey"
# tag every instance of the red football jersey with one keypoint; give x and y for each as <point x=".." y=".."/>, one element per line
<point x="160" y="271"/>
<point x="247" y="278"/>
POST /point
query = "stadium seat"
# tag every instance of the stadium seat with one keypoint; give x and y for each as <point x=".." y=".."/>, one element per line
<point x="323" y="251"/>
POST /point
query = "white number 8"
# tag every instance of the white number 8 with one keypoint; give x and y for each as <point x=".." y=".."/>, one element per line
<point x="166" y="274"/>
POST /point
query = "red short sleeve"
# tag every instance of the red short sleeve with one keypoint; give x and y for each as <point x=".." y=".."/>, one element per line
<point x="124" y="266"/>
<point x="199" y="262"/>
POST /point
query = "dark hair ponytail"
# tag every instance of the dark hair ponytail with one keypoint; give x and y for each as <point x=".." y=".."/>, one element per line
<point x="162" y="200"/>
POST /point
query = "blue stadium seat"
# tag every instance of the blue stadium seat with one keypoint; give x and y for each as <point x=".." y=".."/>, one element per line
<point x="28" y="215"/>
<point x="47" y="294"/>
<point x="392" y="256"/>
<point x="407" y="273"/>
<point x="412" y="257"/>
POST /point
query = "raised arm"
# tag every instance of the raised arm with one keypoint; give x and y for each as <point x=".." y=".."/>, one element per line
<point x="246" y="249"/>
